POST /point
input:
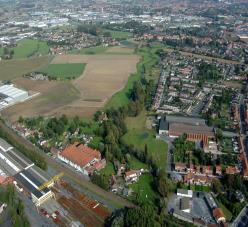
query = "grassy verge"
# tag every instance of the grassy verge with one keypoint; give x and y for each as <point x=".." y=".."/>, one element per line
<point x="64" y="71"/>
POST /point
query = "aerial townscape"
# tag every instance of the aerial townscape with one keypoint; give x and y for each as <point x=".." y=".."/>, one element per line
<point x="120" y="113"/>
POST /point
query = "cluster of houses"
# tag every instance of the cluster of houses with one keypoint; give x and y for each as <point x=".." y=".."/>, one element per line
<point x="179" y="89"/>
<point x="202" y="175"/>
<point x="119" y="182"/>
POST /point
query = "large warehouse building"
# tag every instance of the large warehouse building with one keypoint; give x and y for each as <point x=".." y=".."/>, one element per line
<point x="10" y="95"/>
<point x="25" y="173"/>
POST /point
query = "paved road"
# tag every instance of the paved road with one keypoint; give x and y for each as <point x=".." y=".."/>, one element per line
<point x="107" y="197"/>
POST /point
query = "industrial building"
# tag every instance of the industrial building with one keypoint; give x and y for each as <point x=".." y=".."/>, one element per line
<point x="25" y="173"/>
<point x="84" y="159"/>
<point x="10" y="95"/>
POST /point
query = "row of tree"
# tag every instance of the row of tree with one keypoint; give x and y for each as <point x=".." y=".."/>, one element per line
<point x="15" y="208"/>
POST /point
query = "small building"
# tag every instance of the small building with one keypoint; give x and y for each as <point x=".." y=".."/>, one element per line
<point x="180" y="167"/>
<point x="232" y="170"/>
<point x="163" y="126"/>
<point x="2" y="207"/>
<point x="185" y="193"/>
<point x="219" y="215"/>
<point x="131" y="176"/>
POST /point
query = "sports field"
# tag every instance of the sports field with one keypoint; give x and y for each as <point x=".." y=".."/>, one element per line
<point x="63" y="71"/>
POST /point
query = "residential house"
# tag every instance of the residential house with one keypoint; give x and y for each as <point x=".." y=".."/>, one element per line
<point x="219" y="215"/>
<point x="131" y="176"/>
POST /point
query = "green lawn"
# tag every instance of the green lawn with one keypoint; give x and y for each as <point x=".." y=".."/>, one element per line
<point x="143" y="190"/>
<point x="118" y="34"/>
<point x="90" y="50"/>
<point x="157" y="149"/>
<point x="135" y="164"/>
<point x="28" y="47"/>
<point x="64" y="71"/>
<point x="108" y="170"/>
<point x="226" y="212"/>
<point x="193" y="187"/>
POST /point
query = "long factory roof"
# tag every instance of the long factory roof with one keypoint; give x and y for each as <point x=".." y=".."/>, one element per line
<point x="11" y="91"/>
<point x="29" y="181"/>
<point x="24" y="171"/>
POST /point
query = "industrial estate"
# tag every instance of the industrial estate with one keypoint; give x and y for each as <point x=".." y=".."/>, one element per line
<point x="124" y="113"/>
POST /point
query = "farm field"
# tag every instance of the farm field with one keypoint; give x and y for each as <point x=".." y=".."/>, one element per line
<point x="53" y="95"/>
<point x="103" y="76"/>
<point x="11" y="69"/>
<point x="118" y="50"/>
<point x="64" y="71"/>
<point x="118" y="34"/>
<point x="28" y="48"/>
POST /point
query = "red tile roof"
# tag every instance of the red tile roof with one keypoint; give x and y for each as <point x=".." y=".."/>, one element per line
<point x="218" y="213"/>
<point x="232" y="170"/>
<point x="80" y="154"/>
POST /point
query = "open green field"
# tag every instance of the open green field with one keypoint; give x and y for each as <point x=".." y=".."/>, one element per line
<point x="29" y="47"/>
<point x="11" y="69"/>
<point x="118" y="34"/>
<point x="143" y="190"/>
<point x="64" y="71"/>
<point x="90" y="50"/>
<point x="156" y="149"/>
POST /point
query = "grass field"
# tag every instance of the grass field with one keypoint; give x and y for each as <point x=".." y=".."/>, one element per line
<point x="11" y="69"/>
<point x="118" y="34"/>
<point x="143" y="190"/>
<point x="139" y="136"/>
<point x="64" y="71"/>
<point x="28" y="48"/>
<point x="90" y="50"/>
<point x="156" y="149"/>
